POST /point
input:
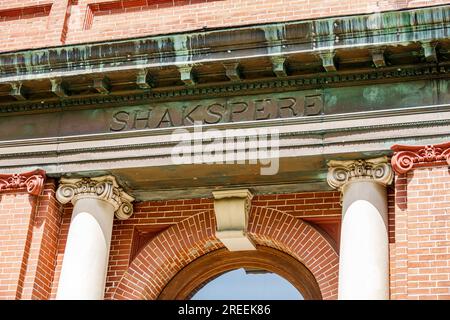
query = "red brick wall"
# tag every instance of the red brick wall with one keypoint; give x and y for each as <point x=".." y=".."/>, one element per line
<point x="32" y="23"/>
<point x="164" y="256"/>
<point x="77" y="21"/>
<point x="392" y="237"/>
<point x="61" y="245"/>
<point x="29" y="229"/>
<point x="44" y="239"/>
<point x="33" y="234"/>
<point x="16" y="216"/>
<point x="421" y="264"/>
<point x="284" y="232"/>
<point x="150" y="218"/>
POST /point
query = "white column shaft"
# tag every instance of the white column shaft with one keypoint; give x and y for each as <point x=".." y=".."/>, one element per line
<point x="83" y="274"/>
<point x="364" y="252"/>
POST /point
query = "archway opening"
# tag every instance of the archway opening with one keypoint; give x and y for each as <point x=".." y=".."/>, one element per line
<point x="276" y="264"/>
<point x="247" y="284"/>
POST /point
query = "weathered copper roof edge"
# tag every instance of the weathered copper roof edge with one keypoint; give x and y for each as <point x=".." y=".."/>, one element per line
<point x="239" y="27"/>
<point x="267" y="40"/>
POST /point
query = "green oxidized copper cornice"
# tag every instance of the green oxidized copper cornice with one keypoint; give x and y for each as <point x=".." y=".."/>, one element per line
<point x="311" y="36"/>
<point x="297" y="83"/>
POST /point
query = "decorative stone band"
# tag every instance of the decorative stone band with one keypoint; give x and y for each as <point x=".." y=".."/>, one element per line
<point x="341" y="172"/>
<point x="407" y="157"/>
<point x="104" y="188"/>
<point x="32" y="181"/>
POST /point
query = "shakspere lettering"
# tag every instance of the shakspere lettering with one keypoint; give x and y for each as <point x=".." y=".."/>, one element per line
<point x="213" y="112"/>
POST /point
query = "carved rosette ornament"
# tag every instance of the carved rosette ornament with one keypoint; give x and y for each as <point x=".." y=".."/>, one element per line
<point x="407" y="157"/>
<point x="104" y="188"/>
<point x="341" y="172"/>
<point x="32" y="181"/>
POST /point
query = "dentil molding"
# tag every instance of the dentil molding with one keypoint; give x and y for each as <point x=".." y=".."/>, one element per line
<point x="104" y="188"/>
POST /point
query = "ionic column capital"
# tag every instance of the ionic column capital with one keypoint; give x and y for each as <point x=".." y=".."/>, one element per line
<point x="104" y="188"/>
<point x="341" y="172"/>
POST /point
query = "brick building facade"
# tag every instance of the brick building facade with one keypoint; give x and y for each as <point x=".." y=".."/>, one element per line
<point x="93" y="205"/>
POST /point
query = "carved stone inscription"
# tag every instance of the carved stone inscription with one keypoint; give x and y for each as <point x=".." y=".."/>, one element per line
<point x="231" y="109"/>
<point x="220" y="110"/>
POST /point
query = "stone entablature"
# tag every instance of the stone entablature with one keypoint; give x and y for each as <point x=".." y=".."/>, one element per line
<point x="408" y="157"/>
<point x="214" y="65"/>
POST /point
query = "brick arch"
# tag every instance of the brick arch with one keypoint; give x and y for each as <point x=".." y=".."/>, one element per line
<point x="168" y="253"/>
<point x="279" y="230"/>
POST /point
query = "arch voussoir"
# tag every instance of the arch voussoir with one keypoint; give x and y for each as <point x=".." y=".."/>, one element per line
<point x="172" y="250"/>
<point x="306" y="244"/>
